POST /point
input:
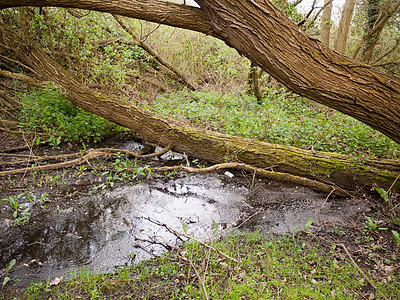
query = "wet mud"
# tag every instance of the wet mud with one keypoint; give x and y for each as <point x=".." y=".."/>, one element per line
<point x="122" y="226"/>
<point x="130" y="223"/>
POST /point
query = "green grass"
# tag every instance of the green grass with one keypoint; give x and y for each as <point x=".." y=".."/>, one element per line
<point x="282" y="119"/>
<point x="288" y="267"/>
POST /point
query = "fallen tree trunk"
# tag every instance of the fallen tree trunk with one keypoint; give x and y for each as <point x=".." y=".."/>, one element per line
<point x="261" y="32"/>
<point x="344" y="171"/>
<point x="86" y="156"/>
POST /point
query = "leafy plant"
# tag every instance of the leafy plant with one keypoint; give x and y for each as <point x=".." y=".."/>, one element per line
<point x="384" y="194"/>
<point x="48" y="110"/>
<point x="7" y="271"/>
<point x="372" y="225"/>
<point x="396" y="237"/>
<point x="308" y="224"/>
<point x="24" y="216"/>
<point x="13" y="201"/>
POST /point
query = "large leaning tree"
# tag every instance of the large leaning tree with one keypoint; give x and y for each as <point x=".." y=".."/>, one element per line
<point x="261" y="32"/>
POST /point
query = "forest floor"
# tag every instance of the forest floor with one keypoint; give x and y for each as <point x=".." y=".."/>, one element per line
<point x="359" y="259"/>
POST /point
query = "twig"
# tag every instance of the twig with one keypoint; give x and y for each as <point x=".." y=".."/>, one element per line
<point x="177" y="233"/>
<point x="313" y="184"/>
<point x="38" y="158"/>
<point x="200" y="280"/>
<point x="391" y="186"/>
<point x="74" y="162"/>
<point x="361" y="271"/>
<point x="327" y="197"/>
<point x="162" y="225"/>
<point x="252" y="182"/>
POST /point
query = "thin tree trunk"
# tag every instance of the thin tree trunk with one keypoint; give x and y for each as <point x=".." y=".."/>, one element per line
<point x="326" y="22"/>
<point x="344" y="25"/>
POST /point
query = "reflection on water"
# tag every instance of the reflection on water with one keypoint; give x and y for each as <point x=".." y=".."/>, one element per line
<point x="101" y="232"/>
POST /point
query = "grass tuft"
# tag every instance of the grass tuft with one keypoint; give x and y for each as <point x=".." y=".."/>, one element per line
<point x="288" y="267"/>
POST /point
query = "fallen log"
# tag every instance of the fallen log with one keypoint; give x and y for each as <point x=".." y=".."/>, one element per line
<point x="87" y="155"/>
<point x="343" y="171"/>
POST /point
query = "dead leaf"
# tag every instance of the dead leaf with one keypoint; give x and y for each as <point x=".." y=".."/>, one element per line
<point x="56" y="281"/>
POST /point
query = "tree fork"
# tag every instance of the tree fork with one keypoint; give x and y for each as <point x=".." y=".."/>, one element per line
<point x="342" y="170"/>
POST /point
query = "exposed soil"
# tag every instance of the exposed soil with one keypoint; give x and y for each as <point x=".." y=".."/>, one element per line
<point x="85" y="217"/>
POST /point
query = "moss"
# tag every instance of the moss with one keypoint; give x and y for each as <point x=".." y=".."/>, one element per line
<point x="345" y="62"/>
<point x="380" y="79"/>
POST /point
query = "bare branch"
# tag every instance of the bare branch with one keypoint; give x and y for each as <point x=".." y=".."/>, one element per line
<point x="387" y="53"/>
<point x="153" y="53"/>
<point x="23" y="77"/>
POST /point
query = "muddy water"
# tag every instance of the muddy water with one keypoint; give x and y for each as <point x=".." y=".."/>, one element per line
<point x="131" y="223"/>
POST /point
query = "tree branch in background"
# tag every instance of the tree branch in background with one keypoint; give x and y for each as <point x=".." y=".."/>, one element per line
<point x="395" y="62"/>
<point x="153" y="53"/>
<point x="372" y="41"/>
<point x="23" y="77"/>
<point x="376" y="62"/>
<point x="376" y="31"/>
<point x="329" y="3"/>
<point x="10" y="101"/>
<point x="307" y="16"/>
<point x="314" y="18"/>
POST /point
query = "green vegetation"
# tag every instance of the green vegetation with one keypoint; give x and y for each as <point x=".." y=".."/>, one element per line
<point x="97" y="51"/>
<point x="48" y="110"/>
<point x="282" y="118"/>
<point x="6" y="272"/>
<point x="22" y="209"/>
<point x="289" y="267"/>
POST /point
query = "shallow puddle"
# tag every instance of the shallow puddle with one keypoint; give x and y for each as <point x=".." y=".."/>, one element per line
<point x="131" y="223"/>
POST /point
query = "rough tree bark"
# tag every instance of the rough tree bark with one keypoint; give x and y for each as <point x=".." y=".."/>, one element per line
<point x="340" y="170"/>
<point x="261" y="32"/>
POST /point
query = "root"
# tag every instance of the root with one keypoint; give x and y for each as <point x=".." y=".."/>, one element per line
<point x="75" y="162"/>
<point x="85" y="156"/>
<point x="279" y="176"/>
